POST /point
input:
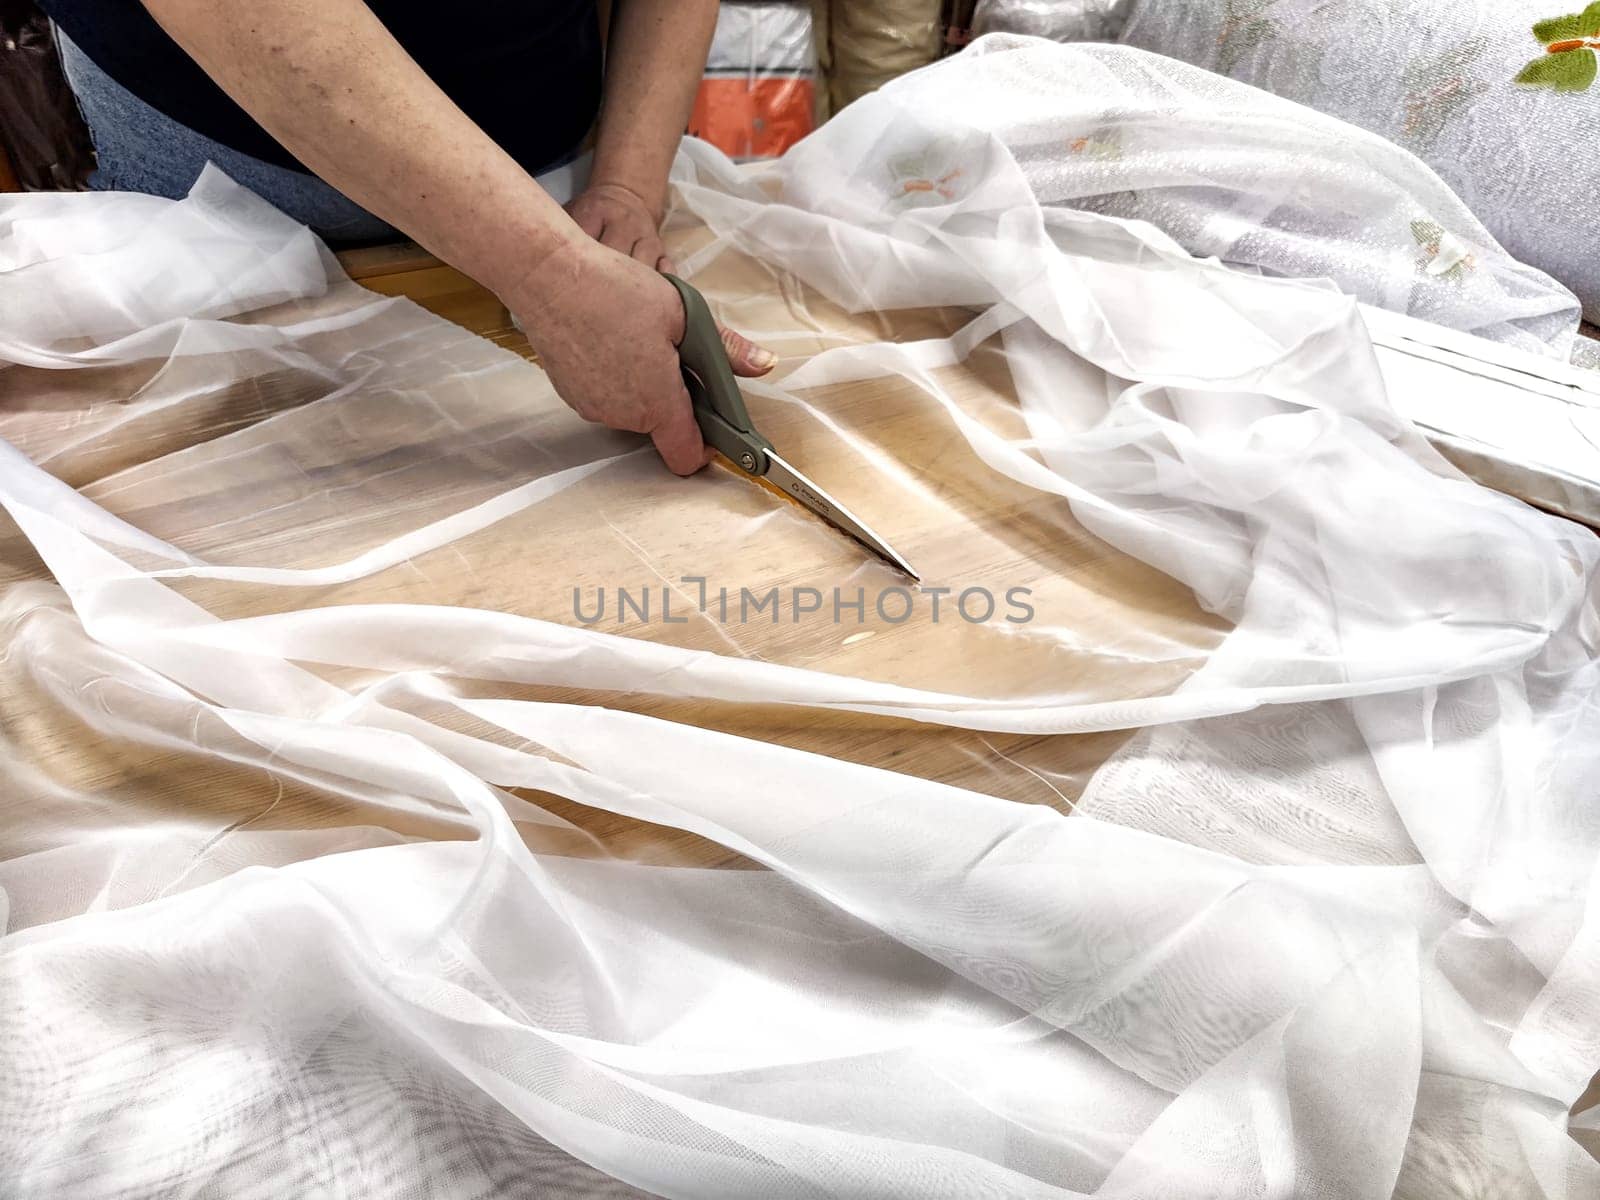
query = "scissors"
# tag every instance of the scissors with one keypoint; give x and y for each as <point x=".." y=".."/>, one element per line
<point x="719" y="410"/>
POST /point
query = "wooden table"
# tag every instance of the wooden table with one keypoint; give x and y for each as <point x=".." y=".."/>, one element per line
<point x="599" y="534"/>
<point x="406" y="270"/>
<point x="953" y="519"/>
<point x="1012" y="537"/>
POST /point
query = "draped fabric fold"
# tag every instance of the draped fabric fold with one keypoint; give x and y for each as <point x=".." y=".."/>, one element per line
<point x="342" y="854"/>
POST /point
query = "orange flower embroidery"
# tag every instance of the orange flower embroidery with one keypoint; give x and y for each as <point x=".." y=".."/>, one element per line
<point x="940" y="185"/>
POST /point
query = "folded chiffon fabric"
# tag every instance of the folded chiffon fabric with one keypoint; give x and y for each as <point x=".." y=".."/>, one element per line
<point x="340" y="855"/>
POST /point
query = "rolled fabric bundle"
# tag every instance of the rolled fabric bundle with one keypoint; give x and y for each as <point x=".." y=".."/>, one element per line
<point x="1262" y="183"/>
<point x="758" y="97"/>
<point x="875" y="42"/>
<point x="1058" y="20"/>
<point x="1492" y="94"/>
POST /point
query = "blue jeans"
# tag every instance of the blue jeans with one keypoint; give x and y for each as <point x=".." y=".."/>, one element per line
<point x="141" y="149"/>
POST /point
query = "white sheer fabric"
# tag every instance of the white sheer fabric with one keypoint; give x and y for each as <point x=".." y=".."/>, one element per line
<point x="1261" y="182"/>
<point x="299" y="885"/>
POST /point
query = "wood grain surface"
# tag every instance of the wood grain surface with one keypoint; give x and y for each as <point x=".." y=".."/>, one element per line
<point x="219" y="476"/>
<point x="1115" y="627"/>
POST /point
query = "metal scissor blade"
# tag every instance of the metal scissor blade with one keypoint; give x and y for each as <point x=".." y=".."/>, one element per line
<point x="784" y="476"/>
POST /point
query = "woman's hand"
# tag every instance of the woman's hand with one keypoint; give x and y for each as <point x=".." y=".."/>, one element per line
<point x="615" y="216"/>
<point x="606" y="328"/>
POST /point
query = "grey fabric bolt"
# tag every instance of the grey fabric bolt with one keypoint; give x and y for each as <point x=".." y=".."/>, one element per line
<point x="1435" y="76"/>
<point x="1058" y="20"/>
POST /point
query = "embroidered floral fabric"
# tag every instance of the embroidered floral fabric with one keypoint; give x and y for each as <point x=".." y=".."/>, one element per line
<point x="1492" y="94"/>
<point x="1264" y="184"/>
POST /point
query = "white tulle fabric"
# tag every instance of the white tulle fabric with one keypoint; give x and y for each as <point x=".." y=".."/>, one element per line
<point x="1234" y="172"/>
<point x="1327" y="927"/>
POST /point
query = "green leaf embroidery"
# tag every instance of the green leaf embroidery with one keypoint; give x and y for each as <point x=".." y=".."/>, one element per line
<point x="1245" y="40"/>
<point x="1558" y="29"/>
<point x="1427" y="232"/>
<point x="1244" y="27"/>
<point x="1444" y="256"/>
<point x="1574" y="25"/>
<point x="1568" y="71"/>
<point x="1569" y="63"/>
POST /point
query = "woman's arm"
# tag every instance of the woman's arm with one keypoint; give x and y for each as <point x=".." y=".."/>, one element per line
<point x="655" y="59"/>
<point x="328" y="81"/>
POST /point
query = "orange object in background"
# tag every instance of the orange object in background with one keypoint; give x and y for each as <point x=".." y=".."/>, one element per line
<point x="759" y="95"/>
<point x="758" y="117"/>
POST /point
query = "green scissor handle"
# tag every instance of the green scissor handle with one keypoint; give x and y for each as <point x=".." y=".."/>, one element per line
<point x="718" y="407"/>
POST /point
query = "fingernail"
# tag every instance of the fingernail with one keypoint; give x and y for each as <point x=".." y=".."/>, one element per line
<point x="763" y="358"/>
